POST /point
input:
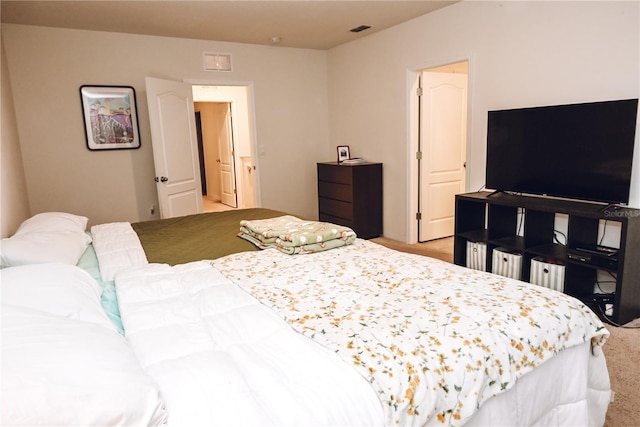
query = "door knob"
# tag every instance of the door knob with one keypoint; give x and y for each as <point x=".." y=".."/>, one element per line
<point x="161" y="179"/>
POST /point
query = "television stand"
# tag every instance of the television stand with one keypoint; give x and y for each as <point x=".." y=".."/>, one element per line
<point x="493" y="193"/>
<point x="495" y="218"/>
<point x="610" y="208"/>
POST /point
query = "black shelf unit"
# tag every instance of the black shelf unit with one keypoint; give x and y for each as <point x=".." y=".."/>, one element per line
<point x="526" y="224"/>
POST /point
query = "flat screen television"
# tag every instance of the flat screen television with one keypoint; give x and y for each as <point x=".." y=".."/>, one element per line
<point x="576" y="151"/>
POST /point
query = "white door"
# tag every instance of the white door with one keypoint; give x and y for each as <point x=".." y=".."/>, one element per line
<point x="227" y="161"/>
<point x="175" y="147"/>
<point x="443" y="142"/>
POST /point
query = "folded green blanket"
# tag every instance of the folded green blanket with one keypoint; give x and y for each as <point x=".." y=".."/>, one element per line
<point x="303" y="249"/>
<point x="292" y="235"/>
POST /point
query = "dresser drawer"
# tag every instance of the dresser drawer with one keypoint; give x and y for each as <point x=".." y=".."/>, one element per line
<point x="332" y="190"/>
<point x="335" y="208"/>
<point x="336" y="220"/>
<point x="335" y="173"/>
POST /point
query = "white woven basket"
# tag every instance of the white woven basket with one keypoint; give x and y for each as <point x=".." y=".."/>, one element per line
<point x="506" y="263"/>
<point x="547" y="274"/>
<point x="477" y="255"/>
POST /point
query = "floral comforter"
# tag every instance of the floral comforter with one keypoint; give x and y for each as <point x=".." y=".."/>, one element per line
<point x="434" y="340"/>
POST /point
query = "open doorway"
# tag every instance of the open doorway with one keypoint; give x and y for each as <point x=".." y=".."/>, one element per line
<point x="439" y="137"/>
<point x="216" y="152"/>
<point x="229" y="172"/>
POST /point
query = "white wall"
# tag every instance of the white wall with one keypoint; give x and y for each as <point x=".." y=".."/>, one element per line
<point x="14" y="203"/>
<point x="520" y="54"/>
<point x="48" y="65"/>
<point x="307" y="102"/>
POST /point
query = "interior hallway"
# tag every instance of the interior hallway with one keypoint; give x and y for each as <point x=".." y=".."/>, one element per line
<point x="211" y="206"/>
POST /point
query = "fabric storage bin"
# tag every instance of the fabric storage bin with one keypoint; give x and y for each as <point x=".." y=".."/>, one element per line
<point x="547" y="273"/>
<point x="477" y="255"/>
<point x="506" y="262"/>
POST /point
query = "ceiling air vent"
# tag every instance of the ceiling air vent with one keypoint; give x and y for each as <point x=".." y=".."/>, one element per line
<point x="216" y="61"/>
<point x="360" y="28"/>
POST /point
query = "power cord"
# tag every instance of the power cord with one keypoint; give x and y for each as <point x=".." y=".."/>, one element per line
<point x="608" y="319"/>
<point x="603" y="298"/>
<point x="604" y="231"/>
<point x="520" y="220"/>
<point x="598" y="282"/>
<point x="556" y="240"/>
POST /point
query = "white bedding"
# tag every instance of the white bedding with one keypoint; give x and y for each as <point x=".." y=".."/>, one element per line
<point x="195" y="332"/>
<point x="571" y="389"/>
<point x="221" y="358"/>
<point x="117" y="247"/>
<point x="435" y="340"/>
<point x="63" y="361"/>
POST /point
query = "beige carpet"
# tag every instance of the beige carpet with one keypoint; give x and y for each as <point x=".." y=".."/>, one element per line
<point x="622" y="350"/>
<point x="441" y="248"/>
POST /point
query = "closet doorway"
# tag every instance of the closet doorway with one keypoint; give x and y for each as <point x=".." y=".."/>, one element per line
<point x="442" y="147"/>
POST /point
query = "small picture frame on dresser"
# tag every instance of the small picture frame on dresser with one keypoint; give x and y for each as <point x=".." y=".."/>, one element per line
<point x="343" y="153"/>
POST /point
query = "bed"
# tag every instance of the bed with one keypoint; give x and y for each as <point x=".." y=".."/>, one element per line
<point x="355" y="335"/>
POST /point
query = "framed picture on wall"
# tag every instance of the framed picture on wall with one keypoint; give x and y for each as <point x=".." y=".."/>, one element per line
<point x="110" y="117"/>
<point x="343" y="153"/>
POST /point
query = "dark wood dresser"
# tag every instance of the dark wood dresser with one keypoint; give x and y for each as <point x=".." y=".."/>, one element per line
<point x="351" y="195"/>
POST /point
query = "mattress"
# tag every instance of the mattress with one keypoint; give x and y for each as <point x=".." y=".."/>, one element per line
<point x="470" y="356"/>
<point x="478" y="378"/>
<point x="435" y="340"/>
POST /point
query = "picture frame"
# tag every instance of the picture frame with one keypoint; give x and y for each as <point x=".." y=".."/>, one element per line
<point x="110" y="117"/>
<point x="343" y="153"/>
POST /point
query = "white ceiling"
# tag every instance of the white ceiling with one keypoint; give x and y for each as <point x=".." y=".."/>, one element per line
<point x="303" y="24"/>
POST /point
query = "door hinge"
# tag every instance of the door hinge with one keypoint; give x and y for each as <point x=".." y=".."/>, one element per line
<point x="235" y="191"/>
<point x="419" y="91"/>
<point x="418" y="216"/>
<point x="419" y="155"/>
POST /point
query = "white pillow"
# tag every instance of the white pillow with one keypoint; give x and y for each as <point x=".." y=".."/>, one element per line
<point x="53" y="221"/>
<point x="46" y="237"/>
<point x="65" y="372"/>
<point x="37" y="247"/>
<point x="58" y="289"/>
<point x="63" y="362"/>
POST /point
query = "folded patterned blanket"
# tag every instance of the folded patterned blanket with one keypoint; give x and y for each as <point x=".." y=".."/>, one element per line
<point x="292" y="235"/>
